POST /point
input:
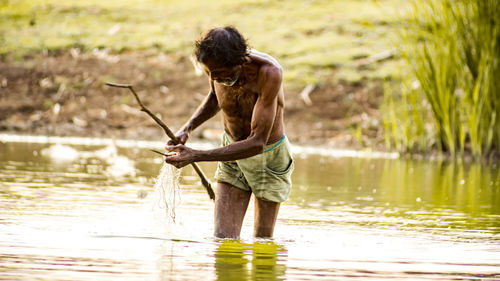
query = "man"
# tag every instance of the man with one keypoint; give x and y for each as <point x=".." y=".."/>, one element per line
<point x="255" y="157"/>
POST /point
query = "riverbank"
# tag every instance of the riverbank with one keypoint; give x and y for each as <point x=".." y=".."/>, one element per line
<point x="56" y="55"/>
<point x="63" y="94"/>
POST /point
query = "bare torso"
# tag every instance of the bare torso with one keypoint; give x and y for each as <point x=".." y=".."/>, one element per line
<point x="238" y="102"/>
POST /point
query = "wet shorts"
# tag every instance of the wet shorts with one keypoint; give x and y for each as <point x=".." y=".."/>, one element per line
<point x="267" y="175"/>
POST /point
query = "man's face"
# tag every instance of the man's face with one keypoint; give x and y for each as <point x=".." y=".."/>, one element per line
<point x="227" y="76"/>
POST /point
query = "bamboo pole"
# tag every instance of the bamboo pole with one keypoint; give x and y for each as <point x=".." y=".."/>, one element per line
<point x="204" y="181"/>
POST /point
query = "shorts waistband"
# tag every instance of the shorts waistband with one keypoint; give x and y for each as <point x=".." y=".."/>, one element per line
<point x="268" y="147"/>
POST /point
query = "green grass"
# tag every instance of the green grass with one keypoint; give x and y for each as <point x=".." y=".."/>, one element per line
<point x="453" y="52"/>
<point x="310" y="38"/>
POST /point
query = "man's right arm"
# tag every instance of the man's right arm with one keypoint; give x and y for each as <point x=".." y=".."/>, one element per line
<point x="207" y="109"/>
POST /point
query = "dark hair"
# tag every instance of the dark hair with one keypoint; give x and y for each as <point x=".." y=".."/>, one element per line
<point x="222" y="45"/>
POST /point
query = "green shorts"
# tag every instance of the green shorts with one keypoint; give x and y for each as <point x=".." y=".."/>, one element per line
<point x="267" y="175"/>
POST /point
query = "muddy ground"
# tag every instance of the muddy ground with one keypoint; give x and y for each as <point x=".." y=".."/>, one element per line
<point x="63" y="94"/>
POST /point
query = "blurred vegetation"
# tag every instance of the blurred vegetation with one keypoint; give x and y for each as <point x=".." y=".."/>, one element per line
<point x="311" y="38"/>
<point x="450" y="98"/>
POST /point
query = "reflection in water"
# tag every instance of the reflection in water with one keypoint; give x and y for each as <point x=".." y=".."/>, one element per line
<point x="469" y="188"/>
<point x="407" y="193"/>
<point x="118" y="165"/>
<point x="373" y="219"/>
<point x="262" y="260"/>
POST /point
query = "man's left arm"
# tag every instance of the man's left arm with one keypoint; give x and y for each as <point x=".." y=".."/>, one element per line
<point x="263" y="117"/>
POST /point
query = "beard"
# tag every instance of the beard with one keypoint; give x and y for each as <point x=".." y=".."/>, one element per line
<point x="230" y="82"/>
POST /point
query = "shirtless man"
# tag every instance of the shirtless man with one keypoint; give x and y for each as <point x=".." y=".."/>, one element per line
<point x="255" y="157"/>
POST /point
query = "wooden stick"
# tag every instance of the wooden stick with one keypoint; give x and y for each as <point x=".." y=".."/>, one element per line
<point x="204" y="181"/>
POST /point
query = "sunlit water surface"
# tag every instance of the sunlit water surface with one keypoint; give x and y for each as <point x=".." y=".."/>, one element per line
<point x="83" y="209"/>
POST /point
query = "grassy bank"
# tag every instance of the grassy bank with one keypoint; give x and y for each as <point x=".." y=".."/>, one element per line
<point x="450" y="98"/>
<point x="312" y="39"/>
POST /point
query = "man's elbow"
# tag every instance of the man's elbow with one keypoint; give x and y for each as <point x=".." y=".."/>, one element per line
<point x="258" y="145"/>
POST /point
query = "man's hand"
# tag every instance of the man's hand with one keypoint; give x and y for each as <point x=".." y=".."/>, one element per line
<point x="181" y="135"/>
<point x="180" y="155"/>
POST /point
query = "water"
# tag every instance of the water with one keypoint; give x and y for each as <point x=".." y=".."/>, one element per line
<point x="85" y="211"/>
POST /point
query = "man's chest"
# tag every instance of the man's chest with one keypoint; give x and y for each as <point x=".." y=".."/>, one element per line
<point x="237" y="102"/>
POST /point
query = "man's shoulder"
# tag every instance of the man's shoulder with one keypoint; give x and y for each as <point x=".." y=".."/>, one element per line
<point x="265" y="61"/>
<point x="269" y="68"/>
<point x="271" y="72"/>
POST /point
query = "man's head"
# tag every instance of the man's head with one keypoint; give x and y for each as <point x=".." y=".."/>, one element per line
<point x="221" y="51"/>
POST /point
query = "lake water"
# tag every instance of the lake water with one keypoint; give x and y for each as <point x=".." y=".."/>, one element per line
<point x="84" y="209"/>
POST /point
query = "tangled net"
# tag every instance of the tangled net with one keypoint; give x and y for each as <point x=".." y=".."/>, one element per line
<point x="167" y="189"/>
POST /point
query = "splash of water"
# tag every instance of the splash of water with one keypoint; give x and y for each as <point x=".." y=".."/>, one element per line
<point x="167" y="191"/>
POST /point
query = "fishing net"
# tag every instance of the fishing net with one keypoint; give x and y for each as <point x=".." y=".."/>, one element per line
<point x="167" y="192"/>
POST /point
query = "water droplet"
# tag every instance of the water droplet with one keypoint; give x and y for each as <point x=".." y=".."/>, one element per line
<point x="462" y="181"/>
<point x="419" y="199"/>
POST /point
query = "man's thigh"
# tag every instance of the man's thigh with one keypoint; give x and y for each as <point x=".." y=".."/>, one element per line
<point x="231" y="204"/>
<point x="266" y="213"/>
